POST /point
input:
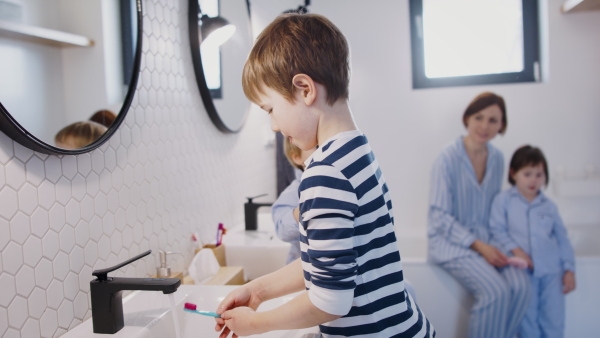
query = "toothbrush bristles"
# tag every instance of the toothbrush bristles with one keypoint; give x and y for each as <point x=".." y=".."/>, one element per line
<point x="190" y="306"/>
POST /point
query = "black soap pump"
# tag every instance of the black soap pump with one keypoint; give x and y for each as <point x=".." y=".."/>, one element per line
<point x="250" y="212"/>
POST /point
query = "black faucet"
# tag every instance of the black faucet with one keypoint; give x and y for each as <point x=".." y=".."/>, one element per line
<point x="250" y="209"/>
<point x="107" y="305"/>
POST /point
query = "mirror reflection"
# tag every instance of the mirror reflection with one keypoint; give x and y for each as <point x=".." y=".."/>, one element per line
<point x="65" y="80"/>
<point x="220" y="38"/>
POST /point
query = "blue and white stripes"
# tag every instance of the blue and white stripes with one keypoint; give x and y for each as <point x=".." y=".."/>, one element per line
<point x="349" y="255"/>
<point x="459" y="207"/>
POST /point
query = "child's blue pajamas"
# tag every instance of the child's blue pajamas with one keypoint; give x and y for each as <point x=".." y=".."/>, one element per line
<point x="538" y="230"/>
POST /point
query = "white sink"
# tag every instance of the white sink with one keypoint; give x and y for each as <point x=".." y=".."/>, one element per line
<point x="259" y="251"/>
<point x="149" y="314"/>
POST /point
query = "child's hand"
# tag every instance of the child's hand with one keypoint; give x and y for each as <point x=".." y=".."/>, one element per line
<point x="242" y="296"/>
<point x="568" y="282"/>
<point x="239" y="322"/>
<point x="521" y="254"/>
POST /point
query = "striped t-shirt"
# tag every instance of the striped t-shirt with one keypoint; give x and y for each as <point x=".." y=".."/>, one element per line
<point x="349" y="255"/>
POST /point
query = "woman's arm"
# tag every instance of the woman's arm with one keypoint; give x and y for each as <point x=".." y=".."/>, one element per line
<point x="499" y="224"/>
<point x="284" y="212"/>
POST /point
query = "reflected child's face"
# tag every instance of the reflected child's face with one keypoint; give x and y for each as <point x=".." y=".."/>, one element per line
<point x="529" y="180"/>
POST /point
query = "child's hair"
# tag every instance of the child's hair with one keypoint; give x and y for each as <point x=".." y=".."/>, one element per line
<point x="81" y="133"/>
<point x="104" y="117"/>
<point x="291" y="151"/>
<point x="298" y="44"/>
<point x="483" y="101"/>
<point x="524" y="157"/>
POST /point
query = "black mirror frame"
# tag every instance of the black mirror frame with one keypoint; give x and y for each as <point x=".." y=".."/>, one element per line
<point x="18" y="133"/>
<point x="194" y="35"/>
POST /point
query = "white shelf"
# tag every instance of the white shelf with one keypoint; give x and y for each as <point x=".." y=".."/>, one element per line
<point x="580" y="5"/>
<point x="43" y="35"/>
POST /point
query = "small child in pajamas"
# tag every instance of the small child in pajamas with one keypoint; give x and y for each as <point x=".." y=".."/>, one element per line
<point x="526" y="223"/>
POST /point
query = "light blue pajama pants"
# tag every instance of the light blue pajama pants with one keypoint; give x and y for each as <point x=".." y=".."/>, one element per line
<point x="545" y="316"/>
<point x="501" y="296"/>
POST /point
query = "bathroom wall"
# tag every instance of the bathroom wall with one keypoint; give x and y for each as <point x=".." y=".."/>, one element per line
<point x="166" y="173"/>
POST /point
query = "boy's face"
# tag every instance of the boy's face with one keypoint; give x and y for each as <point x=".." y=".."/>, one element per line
<point x="530" y="179"/>
<point x="295" y="120"/>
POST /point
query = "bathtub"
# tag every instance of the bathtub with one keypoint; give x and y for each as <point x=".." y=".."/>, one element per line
<point x="446" y="303"/>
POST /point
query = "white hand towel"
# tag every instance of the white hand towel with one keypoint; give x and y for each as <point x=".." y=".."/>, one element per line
<point x="203" y="266"/>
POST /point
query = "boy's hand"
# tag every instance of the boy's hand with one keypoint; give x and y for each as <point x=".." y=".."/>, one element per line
<point x="491" y="254"/>
<point x="568" y="282"/>
<point x="518" y="252"/>
<point x="240" y="322"/>
<point x="242" y="296"/>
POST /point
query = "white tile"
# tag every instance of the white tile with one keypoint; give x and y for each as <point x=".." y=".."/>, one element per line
<point x="43" y="273"/>
<point x="84" y="163"/>
<point x="50" y="244"/>
<point x="65" y="314"/>
<point x="104" y="247"/>
<point x="127" y="237"/>
<point x="25" y="281"/>
<point x="110" y="157"/>
<point x="3" y="321"/>
<point x="87" y="208"/>
<point x="82" y="233"/>
<point x="8" y="202"/>
<point x="28" y="198"/>
<point x="60" y="266"/>
<point x="100" y="204"/>
<point x="48" y="323"/>
<point x="55" y="294"/>
<point x="117" y="178"/>
<point x="122" y="158"/>
<point x="46" y="194"/>
<point x="108" y="224"/>
<point x="76" y="259"/>
<point x="92" y="182"/>
<point x="19" y="228"/>
<point x="8" y="287"/>
<point x="63" y="191"/>
<point x="12" y="333"/>
<point x="59" y="332"/>
<point x="85" y="276"/>
<point x="4" y="233"/>
<point x="35" y="171"/>
<point x="135" y="193"/>
<point x="116" y="242"/>
<point x="31" y="328"/>
<point x="113" y="201"/>
<point x="80" y="305"/>
<point x="32" y="251"/>
<point x="12" y="258"/>
<point x="105" y="182"/>
<point x="37" y="303"/>
<point x="22" y="153"/>
<point x="120" y="218"/>
<point x="78" y="188"/>
<point x="67" y="239"/>
<point x="6" y="150"/>
<point x="2" y="176"/>
<point x="69" y="166"/>
<point x="128" y="176"/>
<point x="53" y="168"/>
<point x="15" y="173"/>
<point x="17" y="312"/>
<point x="91" y="253"/>
<point x="96" y="228"/>
<point x="57" y="217"/>
<point x="97" y="161"/>
<point x="131" y="215"/>
<point x="73" y="212"/>
<point x="71" y="286"/>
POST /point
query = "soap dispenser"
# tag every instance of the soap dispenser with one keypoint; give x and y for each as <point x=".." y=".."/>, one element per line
<point x="164" y="271"/>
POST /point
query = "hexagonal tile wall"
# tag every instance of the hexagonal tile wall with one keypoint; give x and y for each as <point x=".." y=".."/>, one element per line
<point x="166" y="173"/>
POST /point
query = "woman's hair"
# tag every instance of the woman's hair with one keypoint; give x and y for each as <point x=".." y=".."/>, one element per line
<point x="104" y="117"/>
<point x="80" y="134"/>
<point x="292" y="151"/>
<point x="483" y="101"/>
<point x="298" y="44"/>
<point x="524" y="157"/>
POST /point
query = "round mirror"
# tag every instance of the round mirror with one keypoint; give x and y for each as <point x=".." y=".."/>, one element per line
<point x="217" y="63"/>
<point x="69" y="71"/>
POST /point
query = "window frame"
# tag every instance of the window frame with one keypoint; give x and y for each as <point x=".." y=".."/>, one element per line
<point x="531" y="53"/>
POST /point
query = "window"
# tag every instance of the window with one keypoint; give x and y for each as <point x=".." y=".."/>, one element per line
<point x="474" y="42"/>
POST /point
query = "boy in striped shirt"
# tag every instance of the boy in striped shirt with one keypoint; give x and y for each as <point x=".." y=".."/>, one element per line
<point x="298" y="72"/>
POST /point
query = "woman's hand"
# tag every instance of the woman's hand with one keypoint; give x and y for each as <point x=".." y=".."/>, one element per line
<point x="240" y="297"/>
<point x="490" y="253"/>
<point x="568" y="282"/>
<point x="518" y="252"/>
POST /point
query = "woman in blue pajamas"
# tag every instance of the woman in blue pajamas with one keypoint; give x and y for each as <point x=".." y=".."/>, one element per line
<point x="466" y="177"/>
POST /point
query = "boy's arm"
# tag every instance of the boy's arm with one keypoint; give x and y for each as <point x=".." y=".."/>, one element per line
<point x="567" y="255"/>
<point x="499" y="226"/>
<point x="440" y="206"/>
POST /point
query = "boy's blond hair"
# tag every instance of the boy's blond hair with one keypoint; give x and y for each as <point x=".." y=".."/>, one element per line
<point x="291" y="151"/>
<point x="80" y="133"/>
<point x="298" y="44"/>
